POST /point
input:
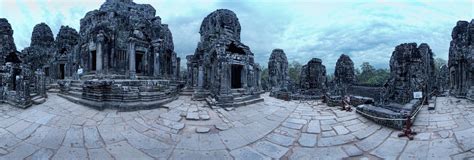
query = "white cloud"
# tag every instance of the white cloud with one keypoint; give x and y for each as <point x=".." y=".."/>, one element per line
<point x="366" y="30"/>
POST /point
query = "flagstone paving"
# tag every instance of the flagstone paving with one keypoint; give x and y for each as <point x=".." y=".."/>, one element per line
<point x="273" y="129"/>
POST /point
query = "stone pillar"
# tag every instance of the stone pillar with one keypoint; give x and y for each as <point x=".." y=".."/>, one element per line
<point x="156" y="58"/>
<point x="188" y="75"/>
<point x="178" y="68"/>
<point x="99" y="55"/>
<point x="243" y="76"/>
<point x="200" y="77"/>
<point x="173" y="66"/>
<point x="131" y="60"/>
<point x="195" y="76"/>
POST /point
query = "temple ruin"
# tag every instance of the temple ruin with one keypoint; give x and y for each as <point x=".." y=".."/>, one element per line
<point x="41" y="49"/>
<point x="127" y="57"/>
<point x="19" y="85"/>
<point x="222" y="70"/>
<point x="461" y="60"/>
<point x="278" y="74"/>
<point x="124" y="39"/>
<point x="313" y="81"/>
<point x="63" y="64"/>
<point x="344" y="75"/>
<point x="6" y="40"/>
<point x="411" y="70"/>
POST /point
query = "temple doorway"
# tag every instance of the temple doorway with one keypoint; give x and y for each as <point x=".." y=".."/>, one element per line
<point x="166" y="64"/>
<point x="93" y="60"/>
<point x="236" y="79"/>
<point x="61" y="71"/>
<point x="139" y="62"/>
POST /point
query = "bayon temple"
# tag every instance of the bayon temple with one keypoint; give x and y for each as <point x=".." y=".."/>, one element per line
<point x="122" y="60"/>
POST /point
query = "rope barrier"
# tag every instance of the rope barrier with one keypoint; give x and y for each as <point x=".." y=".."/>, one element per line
<point x="381" y="118"/>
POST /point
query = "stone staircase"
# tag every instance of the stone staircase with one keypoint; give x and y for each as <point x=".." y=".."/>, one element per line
<point x="53" y="87"/>
<point x="187" y="92"/>
<point x="240" y="99"/>
<point x="75" y="89"/>
<point x="37" y="99"/>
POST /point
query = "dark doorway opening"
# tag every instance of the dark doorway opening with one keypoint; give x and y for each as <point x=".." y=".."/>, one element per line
<point x="139" y="62"/>
<point x="16" y="72"/>
<point x="46" y="71"/>
<point x="13" y="58"/>
<point x="93" y="60"/>
<point x="236" y="76"/>
<point x="166" y="63"/>
<point x="233" y="48"/>
<point x="61" y="71"/>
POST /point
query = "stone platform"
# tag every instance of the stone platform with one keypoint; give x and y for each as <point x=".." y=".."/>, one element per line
<point x="274" y="129"/>
<point x="120" y="94"/>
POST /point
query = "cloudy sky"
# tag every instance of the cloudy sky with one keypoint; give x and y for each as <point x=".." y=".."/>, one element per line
<point x="367" y="30"/>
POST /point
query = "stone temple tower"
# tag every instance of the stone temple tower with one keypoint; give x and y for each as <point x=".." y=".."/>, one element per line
<point x="223" y="67"/>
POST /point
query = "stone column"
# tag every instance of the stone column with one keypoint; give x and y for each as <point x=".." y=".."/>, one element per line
<point x="243" y="76"/>
<point x="173" y="66"/>
<point x="131" y="60"/>
<point x="178" y="68"/>
<point x="156" y="58"/>
<point x="195" y="76"/>
<point x="200" y="77"/>
<point x="188" y="76"/>
<point x="99" y="55"/>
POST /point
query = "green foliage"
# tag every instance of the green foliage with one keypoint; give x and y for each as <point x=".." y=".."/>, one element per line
<point x="440" y="62"/>
<point x="264" y="78"/>
<point x="294" y="70"/>
<point x="371" y="76"/>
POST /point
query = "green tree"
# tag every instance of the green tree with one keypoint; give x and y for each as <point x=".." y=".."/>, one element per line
<point x="440" y="62"/>
<point x="294" y="70"/>
<point x="371" y="76"/>
<point x="264" y="78"/>
<point x="367" y="68"/>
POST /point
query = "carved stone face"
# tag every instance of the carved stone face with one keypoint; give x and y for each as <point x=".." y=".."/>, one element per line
<point x="227" y="19"/>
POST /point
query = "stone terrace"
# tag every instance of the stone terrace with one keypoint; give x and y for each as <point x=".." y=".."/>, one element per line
<point x="59" y="129"/>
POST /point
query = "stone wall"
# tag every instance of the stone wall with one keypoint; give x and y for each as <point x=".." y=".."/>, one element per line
<point x="16" y="80"/>
<point x="366" y="91"/>
<point x="390" y="116"/>
<point x="461" y="59"/>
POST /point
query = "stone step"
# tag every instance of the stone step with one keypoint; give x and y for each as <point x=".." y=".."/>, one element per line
<point x="210" y="101"/>
<point x="186" y="93"/>
<point x="120" y="106"/>
<point x="75" y="93"/>
<point x="244" y="98"/>
<point x="74" y="88"/>
<point x="38" y="100"/>
<point x="241" y="103"/>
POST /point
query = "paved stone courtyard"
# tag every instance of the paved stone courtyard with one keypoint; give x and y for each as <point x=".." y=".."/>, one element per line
<point x="59" y="129"/>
